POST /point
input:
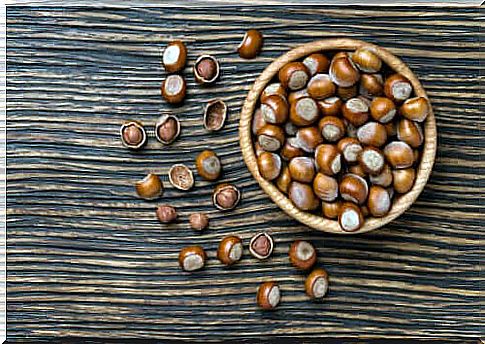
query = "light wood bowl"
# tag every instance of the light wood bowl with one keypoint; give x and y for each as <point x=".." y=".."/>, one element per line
<point x="402" y="203"/>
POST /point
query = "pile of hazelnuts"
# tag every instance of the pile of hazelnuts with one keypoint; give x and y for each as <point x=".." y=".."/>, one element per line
<point x="340" y="135"/>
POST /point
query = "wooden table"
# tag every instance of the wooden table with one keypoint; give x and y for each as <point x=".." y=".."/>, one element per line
<point x="88" y="258"/>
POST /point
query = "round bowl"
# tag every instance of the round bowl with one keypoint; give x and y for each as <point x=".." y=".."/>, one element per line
<point x="402" y="203"/>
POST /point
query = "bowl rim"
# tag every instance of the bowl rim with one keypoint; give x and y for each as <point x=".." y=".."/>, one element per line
<point x="315" y="221"/>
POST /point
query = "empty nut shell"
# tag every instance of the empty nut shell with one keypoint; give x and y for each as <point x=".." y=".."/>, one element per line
<point x="294" y="76"/>
<point x="371" y="160"/>
<point x="379" y="202"/>
<point x="174" y="57"/>
<point x="271" y="137"/>
<point x="192" y="258"/>
<point x="268" y="296"/>
<point x="226" y="196"/>
<point x="181" y="177"/>
<point x="302" y="255"/>
<point x="308" y="138"/>
<point x="275" y="109"/>
<point x="399" y="154"/>
<point x="269" y="165"/>
<point x="316" y="63"/>
<point x="366" y="60"/>
<point x="261" y="245"/>
<point x="199" y="221"/>
<point x="150" y="187"/>
<point x="397" y="88"/>
<point x="215" y="115"/>
<point x="173" y="89"/>
<point x="350" y="218"/>
<point x="302" y="196"/>
<point x="331" y="210"/>
<point x="166" y="214"/>
<point x="304" y="111"/>
<point x="133" y="135"/>
<point x="332" y="128"/>
<point x="415" y="109"/>
<point x="251" y="44"/>
<point x="302" y="169"/>
<point x="372" y="134"/>
<point x="320" y="87"/>
<point x="371" y="85"/>
<point x="316" y="284"/>
<point x="356" y="111"/>
<point x="403" y="180"/>
<point x="330" y="106"/>
<point x="354" y="188"/>
<point x="284" y="180"/>
<point x="208" y="165"/>
<point x="382" y="109"/>
<point x="167" y="129"/>
<point x="325" y="187"/>
<point x="343" y="71"/>
<point x="230" y="250"/>
<point x="206" y="69"/>
<point x="410" y="132"/>
<point x="328" y="159"/>
<point x="350" y="148"/>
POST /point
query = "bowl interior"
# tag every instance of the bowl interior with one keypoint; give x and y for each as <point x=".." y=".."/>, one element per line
<point x="317" y="222"/>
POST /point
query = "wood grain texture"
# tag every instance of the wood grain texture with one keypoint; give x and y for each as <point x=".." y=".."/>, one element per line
<point x="87" y="258"/>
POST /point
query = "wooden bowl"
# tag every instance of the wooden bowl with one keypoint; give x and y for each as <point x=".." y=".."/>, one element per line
<point x="400" y="204"/>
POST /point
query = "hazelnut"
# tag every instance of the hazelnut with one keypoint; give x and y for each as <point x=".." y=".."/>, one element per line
<point x="345" y="93"/>
<point x="316" y="284"/>
<point x="328" y="159"/>
<point x="303" y="112"/>
<point x="192" y="258"/>
<point x="215" y="114"/>
<point x="320" y="87"/>
<point x="397" y="88"/>
<point x="302" y="255"/>
<point x="274" y="109"/>
<point x="269" y="165"/>
<point x="251" y="44"/>
<point x="350" y="218"/>
<point x="356" y="111"/>
<point x="332" y="128"/>
<point x="382" y="109"/>
<point x="167" y="129"/>
<point x="350" y="148"/>
<point x="302" y="196"/>
<point x="226" y="196"/>
<point x="308" y="138"/>
<point x="181" y="177"/>
<point x="199" y="221"/>
<point x="325" y="187"/>
<point x="274" y="88"/>
<point x="208" y="165"/>
<point x="358" y="170"/>
<point x="268" y="296"/>
<point x="403" y="180"/>
<point x="410" y="132"/>
<point x="295" y="95"/>
<point x="354" y="188"/>
<point x="174" y="57"/>
<point x="290" y="149"/>
<point x="294" y="76"/>
<point x="271" y="137"/>
<point x="261" y="245"/>
<point x="316" y="63"/>
<point x="366" y="60"/>
<point x="284" y="180"/>
<point x="343" y="72"/>
<point x="257" y="122"/>
<point x="371" y="160"/>
<point x="230" y="250"/>
<point x="415" y="109"/>
<point x="150" y="187"/>
<point x="330" y="106"/>
<point x="302" y="169"/>
<point x="133" y="135"/>
<point x="399" y="154"/>
<point x="371" y="85"/>
<point x="331" y="209"/>
<point x="173" y="89"/>
<point x="379" y="202"/>
<point x="382" y="179"/>
<point x="206" y="69"/>
<point x="372" y="134"/>
<point x="166" y="214"/>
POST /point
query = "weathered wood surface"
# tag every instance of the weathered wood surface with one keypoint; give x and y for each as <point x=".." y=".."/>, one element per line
<point x="87" y="258"/>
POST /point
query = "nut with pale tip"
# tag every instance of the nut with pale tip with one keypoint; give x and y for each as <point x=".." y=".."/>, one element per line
<point x="350" y="148"/>
<point x="328" y="159"/>
<point x="332" y="128"/>
<point x="354" y="188"/>
<point x="302" y="196"/>
<point x="325" y="187"/>
<point x="367" y="60"/>
<point x="295" y="95"/>
<point x="308" y="138"/>
<point x="174" y="57"/>
<point x="302" y="169"/>
<point x="320" y="87"/>
<point x="192" y="258"/>
<point x="268" y="296"/>
<point x="350" y="218"/>
<point x="275" y="109"/>
<point x="410" y="132"/>
<point x="372" y="134"/>
<point x="343" y="71"/>
<point x="330" y="106"/>
<point x="372" y="160"/>
<point x="316" y="284"/>
<point x="356" y="111"/>
<point x="290" y="149"/>
<point x="304" y="111"/>
<point x="382" y="109"/>
<point x="384" y="178"/>
<point x="208" y="165"/>
<point x="294" y="76"/>
<point x="269" y="165"/>
<point x="397" y="88"/>
<point x="230" y="250"/>
<point x="258" y="121"/>
<point x="302" y="254"/>
<point x="316" y="63"/>
<point x="379" y="201"/>
<point x="271" y="137"/>
<point x="173" y="89"/>
<point x="371" y="85"/>
<point x="399" y="154"/>
<point x="150" y="187"/>
<point x="274" y="88"/>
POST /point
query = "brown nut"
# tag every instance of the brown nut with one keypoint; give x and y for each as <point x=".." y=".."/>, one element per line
<point x="350" y="148"/>
<point x="330" y="106"/>
<point x="150" y="187"/>
<point x="382" y="109"/>
<point x="268" y="296"/>
<point x="294" y="76"/>
<point x="275" y="109"/>
<point x="371" y="160"/>
<point x="173" y="89"/>
<point x="382" y="179"/>
<point x="343" y="71"/>
<point x="271" y="137"/>
<point x="272" y="89"/>
<point x="208" y="165"/>
<point x="403" y="180"/>
<point x="345" y="93"/>
<point x="399" y="154"/>
<point x="325" y="187"/>
<point x="192" y="258"/>
<point x="350" y="218"/>
<point x="331" y="209"/>
<point x="269" y="165"/>
<point x="284" y="180"/>
<point x="251" y="44"/>
<point x="166" y="214"/>
<point x="372" y="134"/>
<point x="379" y="201"/>
<point x="167" y="129"/>
<point x="206" y="69"/>
<point x="332" y="128"/>
<point x="215" y="114"/>
<point x="181" y="177"/>
<point x="290" y="149"/>
<point x="358" y="170"/>
<point x="316" y="63"/>
<point x="174" y="57"/>
<point x="302" y="255"/>
<point x="328" y="159"/>
<point x="261" y="245"/>
<point x="410" y="132"/>
<point x="308" y="138"/>
<point x="366" y="60"/>
<point x="302" y="196"/>
<point x="316" y="284"/>
<point x="302" y="169"/>
<point x="415" y="109"/>
<point x="303" y="112"/>
<point x="356" y="111"/>
<point x="198" y="221"/>
<point x="371" y="85"/>
<point x="258" y="121"/>
<point x="397" y="88"/>
<point x="226" y="196"/>
<point x="295" y="95"/>
<point x="354" y="188"/>
<point x="133" y="135"/>
<point x="230" y="250"/>
<point x="320" y="87"/>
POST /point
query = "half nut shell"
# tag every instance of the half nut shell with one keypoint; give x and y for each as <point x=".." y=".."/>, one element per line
<point x="215" y="115"/>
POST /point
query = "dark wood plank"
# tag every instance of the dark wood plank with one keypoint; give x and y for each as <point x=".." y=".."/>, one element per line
<point x="87" y="258"/>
